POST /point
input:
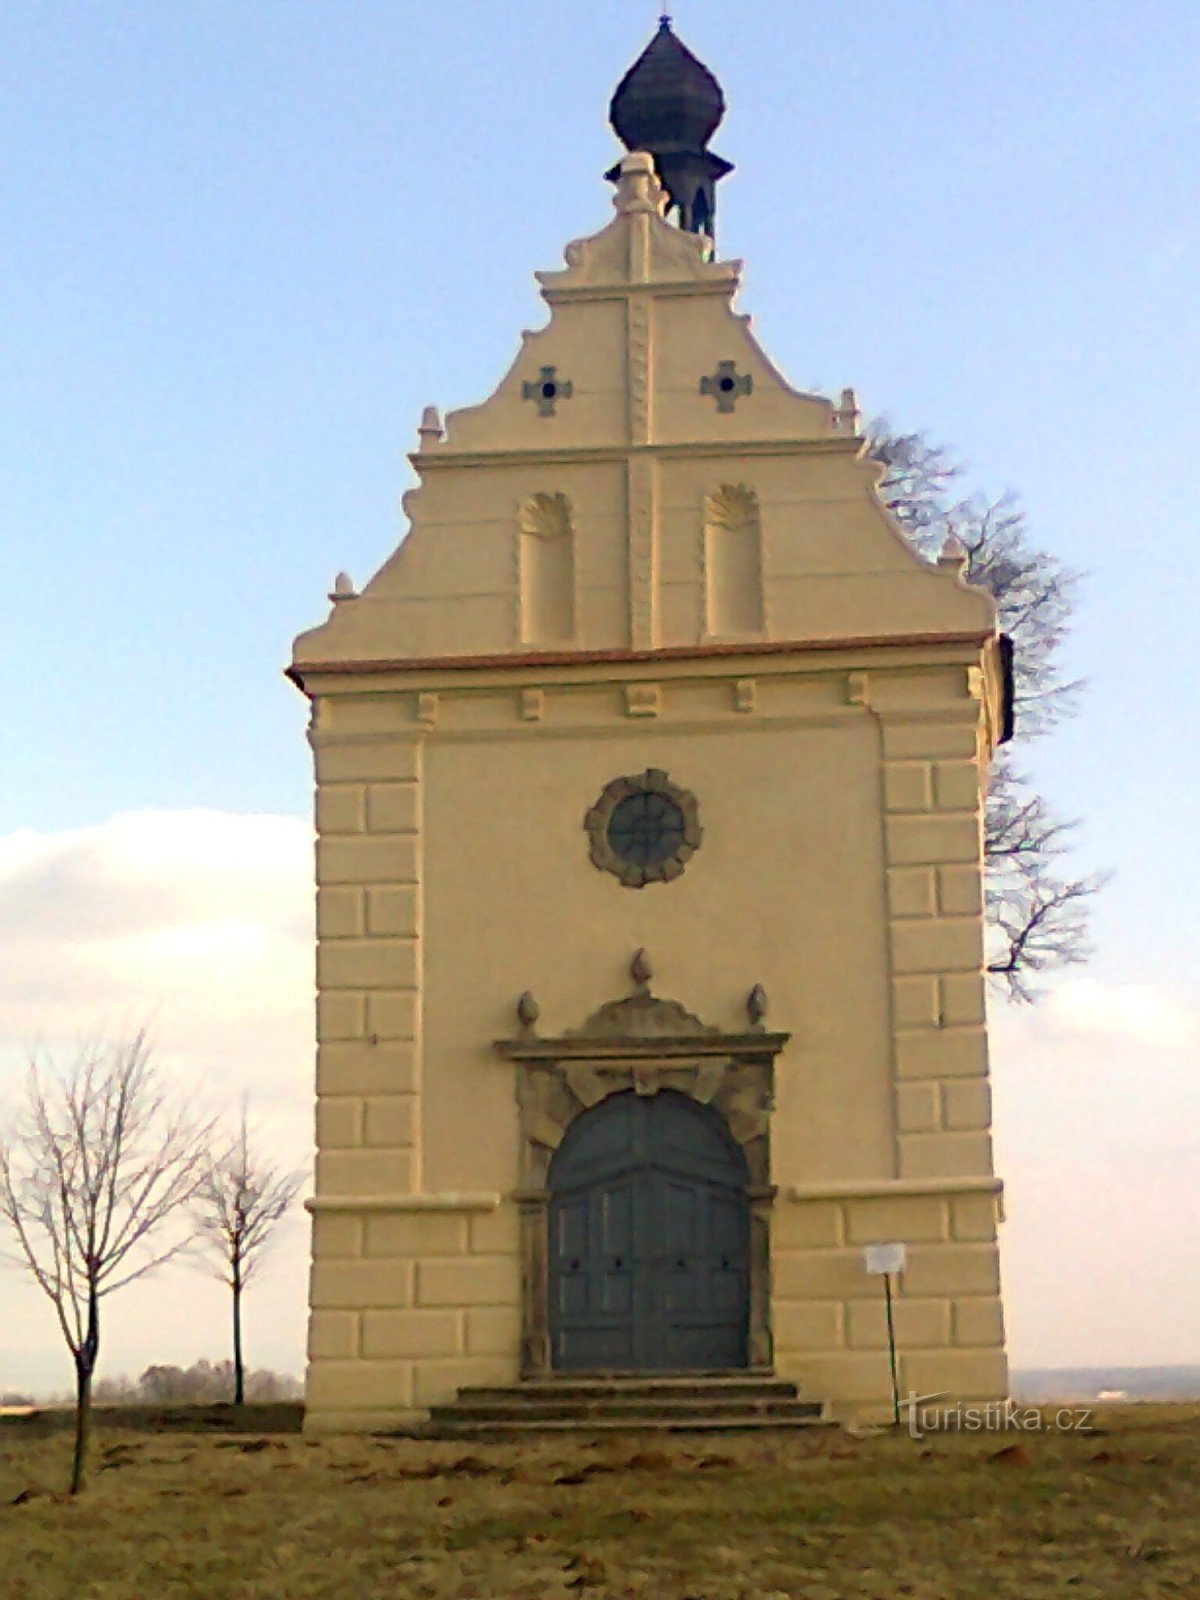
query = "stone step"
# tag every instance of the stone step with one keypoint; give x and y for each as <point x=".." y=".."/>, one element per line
<point x="691" y="1403"/>
<point x="453" y="1428"/>
<point x="626" y="1387"/>
<point x="616" y="1409"/>
<point x="672" y="1379"/>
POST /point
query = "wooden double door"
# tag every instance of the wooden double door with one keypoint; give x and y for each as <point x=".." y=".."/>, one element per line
<point x="649" y="1240"/>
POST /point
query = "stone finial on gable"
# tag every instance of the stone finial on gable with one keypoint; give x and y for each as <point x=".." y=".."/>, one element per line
<point x="845" y="418"/>
<point x="638" y="187"/>
<point x="639" y="245"/>
<point x="343" y="588"/>
<point x="430" y="430"/>
<point x="953" y="556"/>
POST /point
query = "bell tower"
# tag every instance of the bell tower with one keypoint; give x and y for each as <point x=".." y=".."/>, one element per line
<point x="670" y="104"/>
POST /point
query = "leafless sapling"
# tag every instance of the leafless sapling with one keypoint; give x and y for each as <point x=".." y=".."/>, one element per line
<point x="241" y="1198"/>
<point x="100" y="1160"/>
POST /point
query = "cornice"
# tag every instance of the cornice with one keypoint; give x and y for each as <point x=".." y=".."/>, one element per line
<point x="577" y="663"/>
<point x="620" y="454"/>
<point x="654" y="289"/>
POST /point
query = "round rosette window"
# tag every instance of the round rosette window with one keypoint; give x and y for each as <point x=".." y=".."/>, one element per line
<point x="644" y="829"/>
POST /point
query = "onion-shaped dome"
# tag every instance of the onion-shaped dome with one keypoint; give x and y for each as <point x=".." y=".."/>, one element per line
<point x="668" y="99"/>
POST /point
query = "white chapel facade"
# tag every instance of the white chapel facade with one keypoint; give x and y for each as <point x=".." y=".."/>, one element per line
<point x="649" y="786"/>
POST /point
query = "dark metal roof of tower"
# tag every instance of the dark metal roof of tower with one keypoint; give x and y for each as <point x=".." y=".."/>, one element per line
<point x="668" y="100"/>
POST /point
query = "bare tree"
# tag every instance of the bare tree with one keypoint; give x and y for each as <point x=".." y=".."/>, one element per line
<point x="241" y="1198"/>
<point x="98" y="1162"/>
<point x="1037" y="914"/>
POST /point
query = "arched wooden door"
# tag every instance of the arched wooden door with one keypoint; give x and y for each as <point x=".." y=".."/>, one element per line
<point x="649" y="1240"/>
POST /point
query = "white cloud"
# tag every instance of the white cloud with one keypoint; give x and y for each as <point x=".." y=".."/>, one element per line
<point x="200" y="924"/>
<point x="1120" y="1014"/>
<point x="1097" y="1099"/>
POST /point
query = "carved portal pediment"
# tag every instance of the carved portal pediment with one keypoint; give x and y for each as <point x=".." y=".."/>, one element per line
<point x="643" y="1044"/>
<point x="642" y="1016"/>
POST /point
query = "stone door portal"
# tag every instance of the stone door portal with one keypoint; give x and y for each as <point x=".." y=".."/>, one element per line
<point x="645" y="1143"/>
<point x="649" y="1240"/>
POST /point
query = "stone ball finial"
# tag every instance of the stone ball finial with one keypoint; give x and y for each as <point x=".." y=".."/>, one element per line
<point x="756" y="1005"/>
<point x="343" y="588"/>
<point x="528" y="1012"/>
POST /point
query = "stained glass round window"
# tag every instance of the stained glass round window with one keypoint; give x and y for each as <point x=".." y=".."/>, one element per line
<point x="644" y="829"/>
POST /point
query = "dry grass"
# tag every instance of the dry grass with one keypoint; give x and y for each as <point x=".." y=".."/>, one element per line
<point x="182" y="1506"/>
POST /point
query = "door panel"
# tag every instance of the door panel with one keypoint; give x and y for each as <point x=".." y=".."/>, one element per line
<point x="649" y="1240"/>
<point x="571" y="1249"/>
<point x="682" y="1205"/>
<point x="615" y="1209"/>
<point x="592" y="1294"/>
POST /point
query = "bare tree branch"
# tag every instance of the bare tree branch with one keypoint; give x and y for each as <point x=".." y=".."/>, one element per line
<point x="1037" y="918"/>
<point x="1038" y="925"/>
<point x="95" y="1167"/>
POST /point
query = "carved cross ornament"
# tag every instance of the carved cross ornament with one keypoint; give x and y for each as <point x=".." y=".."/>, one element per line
<point x="727" y="385"/>
<point x="546" y="390"/>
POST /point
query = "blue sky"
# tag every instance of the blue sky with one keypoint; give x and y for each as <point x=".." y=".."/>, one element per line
<point x="246" y="241"/>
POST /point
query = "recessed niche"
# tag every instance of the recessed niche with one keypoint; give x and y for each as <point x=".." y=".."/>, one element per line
<point x="733" y="563"/>
<point x="547" y="570"/>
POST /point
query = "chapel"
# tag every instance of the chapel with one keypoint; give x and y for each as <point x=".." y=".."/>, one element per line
<point x="649" y="786"/>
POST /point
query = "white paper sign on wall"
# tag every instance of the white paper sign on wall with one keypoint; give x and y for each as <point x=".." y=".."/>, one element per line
<point x="884" y="1258"/>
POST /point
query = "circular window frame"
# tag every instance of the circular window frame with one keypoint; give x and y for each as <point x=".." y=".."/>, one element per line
<point x="630" y="874"/>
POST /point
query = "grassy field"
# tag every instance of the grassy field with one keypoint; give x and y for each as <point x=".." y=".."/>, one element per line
<point x="182" y="1504"/>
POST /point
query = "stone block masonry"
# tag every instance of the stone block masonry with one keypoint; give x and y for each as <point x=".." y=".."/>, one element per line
<point x="933" y="796"/>
<point x="829" y="1319"/>
<point x="368" y="815"/>
<point x="407" y="1306"/>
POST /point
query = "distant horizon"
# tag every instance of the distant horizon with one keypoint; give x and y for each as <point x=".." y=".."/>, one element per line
<point x="1033" y="1385"/>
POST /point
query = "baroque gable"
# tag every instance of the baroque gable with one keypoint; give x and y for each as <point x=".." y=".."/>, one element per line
<point x="601" y="499"/>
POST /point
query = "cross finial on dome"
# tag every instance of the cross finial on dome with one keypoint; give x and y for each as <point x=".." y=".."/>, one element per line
<point x="670" y="105"/>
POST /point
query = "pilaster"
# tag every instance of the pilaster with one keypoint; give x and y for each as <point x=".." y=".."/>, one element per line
<point x="369" y="860"/>
<point x="642" y="471"/>
<point x="933" y="808"/>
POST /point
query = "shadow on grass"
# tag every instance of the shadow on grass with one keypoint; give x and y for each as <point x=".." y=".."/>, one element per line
<point x="282" y="1417"/>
